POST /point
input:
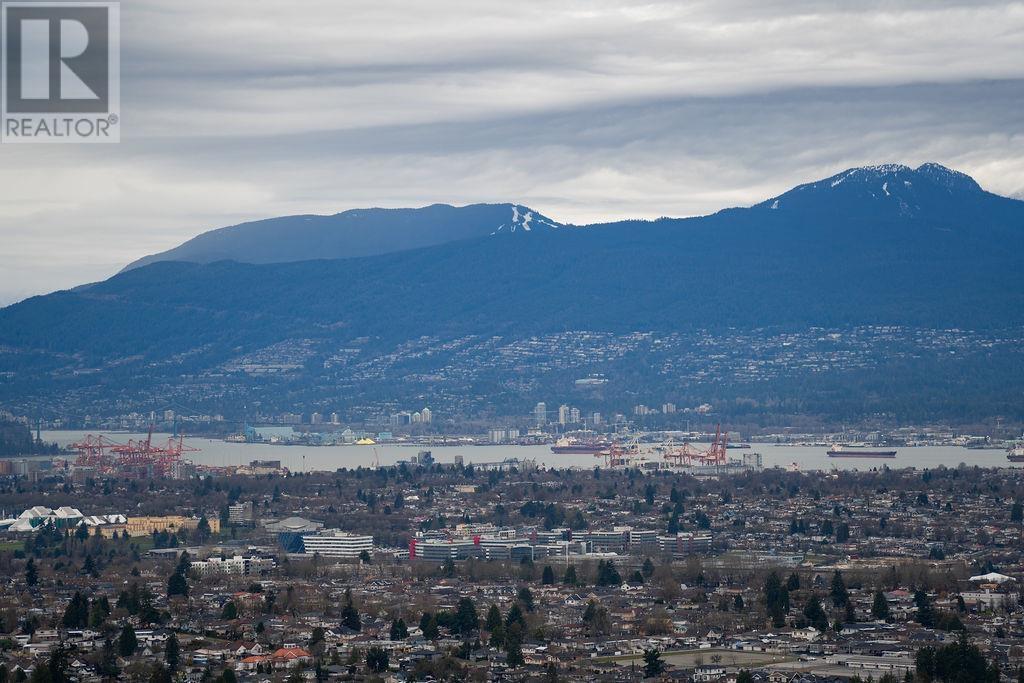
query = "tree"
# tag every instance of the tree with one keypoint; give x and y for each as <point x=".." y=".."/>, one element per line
<point x="76" y="614"/>
<point x="99" y="610"/>
<point x="570" y="578"/>
<point x="1017" y="512"/>
<point x="793" y="582"/>
<point x="466" y="618"/>
<point x="842" y="532"/>
<point x="31" y="573"/>
<point x="744" y="676"/>
<point x="494" y="625"/>
<point x="595" y="616"/>
<point x="428" y="625"/>
<point x="228" y="676"/>
<point x="653" y="664"/>
<point x="925" y="613"/>
<point x="958" y="662"/>
<point x="514" y="616"/>
<point x="127" y="642"/>
<point x="230" y="612"/>
<point x="607" y="574"/>
<point x="108" y="660"/>
<point x="776" y="600"/>
<point x="172" y="652"/>
<point x="364" y="557"/>
<point x="177" y="585"/>
<point x="525" y="596"/>
<point x="547" y="577"/>
<point x="880" y="606"/>
<point x="839" y="594"/>
<point x="814" y="613"/>
<point x="647" y="568"/>
<point x="349" y="613"/>
<point x="203" y="531"/>
<point x="514" y="645"/>
<point x="377" y="659"/>
<point x="399" y="631"/>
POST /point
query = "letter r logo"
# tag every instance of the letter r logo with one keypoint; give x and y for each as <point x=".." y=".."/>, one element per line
<point x="56" y="57"/>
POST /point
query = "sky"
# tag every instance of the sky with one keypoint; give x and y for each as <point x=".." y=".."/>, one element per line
<point x="584" y="110"/>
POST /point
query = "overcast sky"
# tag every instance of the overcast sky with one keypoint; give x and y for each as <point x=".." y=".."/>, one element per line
<point x="586" y="111"/>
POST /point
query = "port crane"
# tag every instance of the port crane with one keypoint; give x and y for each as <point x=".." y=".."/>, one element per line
<point x="688" y="455"/>
<point x="111" y="456"/>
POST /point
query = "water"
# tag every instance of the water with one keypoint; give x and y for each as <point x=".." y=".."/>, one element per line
<point x="313" y="458"/>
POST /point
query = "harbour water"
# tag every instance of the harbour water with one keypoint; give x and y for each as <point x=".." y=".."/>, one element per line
<point x="319" y="458"/>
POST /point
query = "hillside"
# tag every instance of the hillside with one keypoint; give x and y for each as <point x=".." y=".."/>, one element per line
<point x="925" y="250"/>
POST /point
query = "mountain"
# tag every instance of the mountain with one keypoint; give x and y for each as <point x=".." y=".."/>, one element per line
<point x="879" y="291"/>
<point x="351" y="234"/>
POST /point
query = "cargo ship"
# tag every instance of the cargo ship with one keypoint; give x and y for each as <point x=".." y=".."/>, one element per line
<point x="1015" y="453"/>
<point x="857" y="451"/>
<point x="568" y="446"/>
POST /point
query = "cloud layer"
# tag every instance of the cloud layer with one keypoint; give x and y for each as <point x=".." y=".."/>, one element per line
<point x="585" y="110"/>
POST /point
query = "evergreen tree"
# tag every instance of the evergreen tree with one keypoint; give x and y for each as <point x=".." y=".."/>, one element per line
<point x="776" y="600"/>
<point x="76" y="614"/>
<point x="653" y="664"/>
<point x="547" y="576"/>
<point x="570" y="578"/>
<point x="377" y="659"/>
<point x="349" y="613"/>
<point x="399" y="631"/>
<point x="172" y="652"/>
<point x="793" y="582"/>
<point x="514" y="616"/>
<point x="177" y="585"/>
<point x="525" y="596"/>
<point x="428" y="625"/>
<point x="607" y="574"/>
<point x="495" y="626"/>
<point x="127" y="642"/>
<point x="31" y="573"/>
<point x="880" y="606"/>
<point x="230" y="612"/>
<point x="814" y="613"/>
<point x="466" y="619"/>
<point x="514" y="645"/>
<point x="648" y="568"/>
<point x="839" y="594"/>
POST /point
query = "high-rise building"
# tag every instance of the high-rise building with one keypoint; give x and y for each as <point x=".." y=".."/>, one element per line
<point x="595" y="419"/>
<point x="334" y="419"/>
<point x="668" y="408"/>
<point x="574" y="415"/>
<point x="426" y="416"/>
<point x="540" y="414"/>
<point x="563" y="414"/>
<point x="316" y="418"/>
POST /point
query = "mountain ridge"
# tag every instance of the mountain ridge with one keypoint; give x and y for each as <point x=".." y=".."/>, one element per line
<point x="932" y="256"/>
<point x="350" y="234"/>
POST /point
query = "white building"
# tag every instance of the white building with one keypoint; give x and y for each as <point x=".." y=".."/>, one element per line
<point x="237" y="565"/>
<point x="337" y="543"/>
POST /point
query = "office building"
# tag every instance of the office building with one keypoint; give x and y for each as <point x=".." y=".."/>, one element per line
<point x="336" y="543"/>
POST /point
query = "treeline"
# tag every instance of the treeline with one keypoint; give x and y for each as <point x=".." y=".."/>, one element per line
<point x="16" y="439"/>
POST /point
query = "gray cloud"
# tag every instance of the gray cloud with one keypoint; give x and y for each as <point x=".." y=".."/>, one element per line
<point x="585" y="110"/>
